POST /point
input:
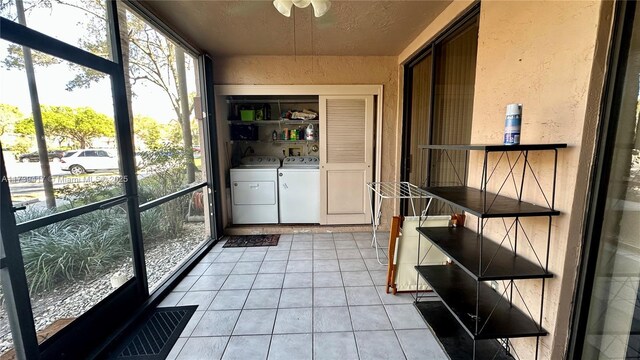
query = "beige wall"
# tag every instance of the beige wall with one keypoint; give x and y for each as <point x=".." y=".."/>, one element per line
<point x="324" y="70"/>
<point x="544" y="55"/>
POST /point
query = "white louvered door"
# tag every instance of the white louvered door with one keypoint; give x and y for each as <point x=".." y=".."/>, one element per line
<point x="346" y="159"/>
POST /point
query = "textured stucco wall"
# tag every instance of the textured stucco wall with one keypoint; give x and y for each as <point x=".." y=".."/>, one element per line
<point x="455" y="9"/>
<point x="325" y="70"/>
<point x="550" y="56"/>
<point x="545" y="61"/>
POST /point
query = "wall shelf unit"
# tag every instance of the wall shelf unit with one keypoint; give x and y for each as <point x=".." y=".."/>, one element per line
<point x="274" y="122"/>
<point x="486" y="315"/>
<point x="270" y="113"/>
<point x="278" y="142"/>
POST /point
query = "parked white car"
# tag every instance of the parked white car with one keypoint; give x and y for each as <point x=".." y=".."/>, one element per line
<point x="88" y="160"/>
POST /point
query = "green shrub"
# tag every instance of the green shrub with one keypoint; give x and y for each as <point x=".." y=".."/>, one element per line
<point x="165" y="221"/>
<point x="93" y="242"/>
<point x="74" y="248"/>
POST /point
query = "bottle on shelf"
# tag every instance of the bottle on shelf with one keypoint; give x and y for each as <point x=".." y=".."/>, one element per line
<point x="267" y="112"/>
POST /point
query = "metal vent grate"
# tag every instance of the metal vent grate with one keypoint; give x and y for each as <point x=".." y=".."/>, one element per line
<point x="154" y="338"/>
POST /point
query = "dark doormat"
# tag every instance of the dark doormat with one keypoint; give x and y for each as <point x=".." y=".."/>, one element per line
<point x="155" y="335"/>
<point x="252" y="240"/>
<point x="454" y="339"/>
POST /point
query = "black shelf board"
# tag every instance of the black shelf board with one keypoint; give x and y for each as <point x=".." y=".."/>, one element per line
<point x="472" y="200"/>
<point x="274" y="122"/>
<point x="454" y="339"/>
<point x="496" y="147"/>
<point x="498" y="262"/>
<point x="457" y="290"/>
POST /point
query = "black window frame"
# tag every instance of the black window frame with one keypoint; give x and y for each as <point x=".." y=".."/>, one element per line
<point x="623" y="20"/>
<point x="78" y="340"/>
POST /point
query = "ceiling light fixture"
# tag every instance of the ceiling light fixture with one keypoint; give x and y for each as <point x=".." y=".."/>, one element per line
<point x="320" y="7"/>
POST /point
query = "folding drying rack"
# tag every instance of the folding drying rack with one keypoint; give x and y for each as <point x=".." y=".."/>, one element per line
<point x="379" y="191"/>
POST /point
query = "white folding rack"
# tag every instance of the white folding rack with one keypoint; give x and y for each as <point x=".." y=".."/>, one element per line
<point x="379" y="191"/>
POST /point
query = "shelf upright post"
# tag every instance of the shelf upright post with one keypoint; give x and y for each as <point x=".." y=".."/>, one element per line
<point x="524" y="170"/>
<point x="418" y="262"/>
<point x="546" y="265"/>
<point x="481" y="220"/>
<point x="474" y="349"/>
<point x="485" y="164"/>
<point x="466" y="167"/>
<point x="428" y="169"/>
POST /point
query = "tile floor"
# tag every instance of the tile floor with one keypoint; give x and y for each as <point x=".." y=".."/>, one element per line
<point x="314" y="296"/>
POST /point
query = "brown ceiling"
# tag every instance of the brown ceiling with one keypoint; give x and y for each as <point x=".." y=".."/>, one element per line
<point x="350" y="28"/>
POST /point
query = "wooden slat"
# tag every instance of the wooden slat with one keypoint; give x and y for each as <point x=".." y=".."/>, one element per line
<point x="346" y="130"/>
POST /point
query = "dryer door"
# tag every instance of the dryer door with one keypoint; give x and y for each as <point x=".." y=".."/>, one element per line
<point x="254" y="193"/>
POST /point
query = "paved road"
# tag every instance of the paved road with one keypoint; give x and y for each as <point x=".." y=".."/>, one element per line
<point x="26" y="181"/>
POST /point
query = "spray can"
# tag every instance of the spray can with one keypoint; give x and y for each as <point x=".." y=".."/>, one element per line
<point x="512" y="124"/>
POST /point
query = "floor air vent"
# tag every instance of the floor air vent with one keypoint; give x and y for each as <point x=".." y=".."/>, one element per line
<point x="155" y="336"/>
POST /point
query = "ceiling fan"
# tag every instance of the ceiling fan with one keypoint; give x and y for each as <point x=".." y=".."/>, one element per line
<point x="320" y="7"/>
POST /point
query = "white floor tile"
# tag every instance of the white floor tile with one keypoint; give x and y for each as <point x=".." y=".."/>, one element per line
<point x="268" y="281"/>
<point x="247" y="347"/>
<point x="329" y="297"/>
<point x="216" y="323"/>
<point x="362" y="295"/>
<point x="203" y="348"/>
<point x="263" y="299"/>
<point x="369" y="318"/>
<point x="255" y="322"/>
<point x="229" y="300"/>
<point x="293" y="321"/>
<point x="331" y="319"/>
<point x="200" y="298"/>
<point x="298" y="280"/>
<point x="379" y="345"/>
<point x="405" y="316"/>
<point x="335" y="345"/>
<point x="296" y="298"/>
<point x="291" y="347"/>
<point x="238" y="282"/>
<point x="420" y="344"/>
<point x="327" y="279"/>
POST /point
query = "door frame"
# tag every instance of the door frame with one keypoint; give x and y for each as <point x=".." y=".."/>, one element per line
<point x="222" y="91"/>
<point x="605" y="142"/>
<point x="431" y="48"/>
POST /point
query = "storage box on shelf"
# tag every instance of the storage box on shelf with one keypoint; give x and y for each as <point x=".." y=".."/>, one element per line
<point x="487" y="319"/>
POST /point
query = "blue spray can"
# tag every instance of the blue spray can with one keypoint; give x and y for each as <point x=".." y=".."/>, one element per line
<point x="512" y="124"/>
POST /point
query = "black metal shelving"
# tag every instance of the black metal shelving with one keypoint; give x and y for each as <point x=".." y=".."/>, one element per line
<point x="274" y="122"/>
<point x="499" y="263"/>
<point x="485" y="204"/>
<point x="497" y="318"/>
<point x="455" y="340"/>
<point x="496" y="147"/>
<point x="489" y="318"/>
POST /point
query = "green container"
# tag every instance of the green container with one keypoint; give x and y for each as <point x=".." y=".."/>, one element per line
<point x="247" y="115"/>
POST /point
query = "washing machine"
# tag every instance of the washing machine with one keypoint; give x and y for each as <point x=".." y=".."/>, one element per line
<point x="299" y="190"/>
<point x="254" y="190"/>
